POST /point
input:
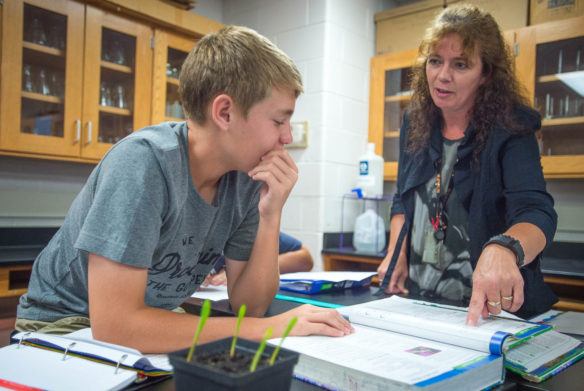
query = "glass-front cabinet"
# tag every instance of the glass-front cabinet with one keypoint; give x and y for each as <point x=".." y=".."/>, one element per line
<point x="42" y="68"/>
<point x="117" y="83"/>
<point x="549" y="61"/>
<point x="170" y="51"/>
<point x="559" y="95"/>
<point x="389" y="97"/>
<point x="75" y="79"/>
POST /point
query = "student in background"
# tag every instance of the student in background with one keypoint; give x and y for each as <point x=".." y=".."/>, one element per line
<point x="161" y="206"/>
<point x="471" y="198"/>
<point x="293" y="257"/>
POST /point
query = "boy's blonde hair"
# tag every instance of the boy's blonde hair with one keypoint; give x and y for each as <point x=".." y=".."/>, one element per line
<point x="236" y="61"/>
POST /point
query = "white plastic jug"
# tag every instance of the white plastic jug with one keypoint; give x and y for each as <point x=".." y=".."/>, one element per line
<point x="370" y="179"/>
<point x="369" y="233"/>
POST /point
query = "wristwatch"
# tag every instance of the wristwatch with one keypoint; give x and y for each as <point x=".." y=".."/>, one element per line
<point x="510" y="243"/>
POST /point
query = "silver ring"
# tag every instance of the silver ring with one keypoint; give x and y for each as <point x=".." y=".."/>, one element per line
<point x="494" y="303"/>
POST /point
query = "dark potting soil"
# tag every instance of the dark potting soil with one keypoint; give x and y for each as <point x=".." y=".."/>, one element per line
<point x="239" y="363"/>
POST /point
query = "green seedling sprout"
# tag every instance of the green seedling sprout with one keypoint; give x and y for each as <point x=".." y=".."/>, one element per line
<point x="260" y="350"/>
<point x="205" y="311"/>
<point x="286" y="332"/>
<point x="239" y="318"/>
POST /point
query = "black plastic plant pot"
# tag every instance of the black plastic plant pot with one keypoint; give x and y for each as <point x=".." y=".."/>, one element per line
<point x="206" y="376"/>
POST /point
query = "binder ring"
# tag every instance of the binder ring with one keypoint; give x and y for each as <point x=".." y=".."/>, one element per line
<point x="119" y="362"/>
<point x="67" y="350"/>
<point x="22" y="338"/>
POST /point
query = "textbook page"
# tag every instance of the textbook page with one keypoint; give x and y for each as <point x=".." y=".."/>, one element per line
<point x="48" y="370"/>
<point x="401" y="358"/>
<point x="443" y="324"/>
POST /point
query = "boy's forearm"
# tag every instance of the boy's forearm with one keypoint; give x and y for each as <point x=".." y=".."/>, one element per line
<point x="154" y="330"/>
<point x="258" y="282"/>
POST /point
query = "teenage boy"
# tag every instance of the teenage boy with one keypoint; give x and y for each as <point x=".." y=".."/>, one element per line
<point x="163" y="203"/>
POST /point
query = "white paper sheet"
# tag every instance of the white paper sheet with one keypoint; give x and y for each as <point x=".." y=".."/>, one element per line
<point x="213" y="293"/>
<point x="46" y="369"/>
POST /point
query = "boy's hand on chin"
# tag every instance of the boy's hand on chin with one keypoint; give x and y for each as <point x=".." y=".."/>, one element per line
<point x="279" y="173"/>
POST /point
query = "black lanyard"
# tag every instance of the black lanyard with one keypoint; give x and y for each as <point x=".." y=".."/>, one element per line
<point x="439" y="220"/>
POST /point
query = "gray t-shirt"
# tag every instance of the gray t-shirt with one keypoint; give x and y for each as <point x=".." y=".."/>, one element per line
<point x="141" y="208"/>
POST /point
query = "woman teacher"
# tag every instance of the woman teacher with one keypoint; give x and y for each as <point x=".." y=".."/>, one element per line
<point x="471" y="214"/>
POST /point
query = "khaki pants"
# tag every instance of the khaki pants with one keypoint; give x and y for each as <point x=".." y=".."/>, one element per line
<point x="61" y="326"/>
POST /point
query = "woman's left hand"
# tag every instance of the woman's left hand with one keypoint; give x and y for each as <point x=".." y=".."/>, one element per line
<point x="497" y="284"/>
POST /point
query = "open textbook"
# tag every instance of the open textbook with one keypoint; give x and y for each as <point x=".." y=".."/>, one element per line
<point x="531" y="349"/>
<point x="75" y="361"/>
<point x="419" y="345"/>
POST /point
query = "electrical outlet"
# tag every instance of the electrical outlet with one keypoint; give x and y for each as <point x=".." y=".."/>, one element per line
<point x="299" y="135"/>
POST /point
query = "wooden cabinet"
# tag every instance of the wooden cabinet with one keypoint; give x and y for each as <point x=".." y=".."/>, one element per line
<point x="549" y="62"/>
<point x="78" y="76"/>
<point x="170" y="51"/>
<point x="75" y="79"/>
<point x="14" y="280"/>
<point x="402" y="27"/>
<point x="388" y="99"/>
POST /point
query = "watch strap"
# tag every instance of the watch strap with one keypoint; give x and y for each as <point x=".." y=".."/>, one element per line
<point x="512" y="244"/>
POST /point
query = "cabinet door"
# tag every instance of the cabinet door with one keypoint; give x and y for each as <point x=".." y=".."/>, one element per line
<point x="170" y="51"/>
<point x="41" y="78"/>
<point x="117" y="85"/>
<point x="389" y="97"/>
<point x="522" y="44"/>
<point x="559" y="95"/>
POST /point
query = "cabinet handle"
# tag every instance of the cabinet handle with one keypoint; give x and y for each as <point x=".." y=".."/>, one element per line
<point x="78" y="126"/>
<point x="88" y="133"/>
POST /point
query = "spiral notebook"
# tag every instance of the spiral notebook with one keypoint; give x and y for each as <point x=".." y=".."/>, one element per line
<point x="75" y="361"/>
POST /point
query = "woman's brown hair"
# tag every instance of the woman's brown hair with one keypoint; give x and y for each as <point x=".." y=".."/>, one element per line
<point x="495" y="98"/>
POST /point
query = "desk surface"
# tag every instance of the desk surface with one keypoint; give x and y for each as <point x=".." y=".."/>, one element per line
<point x="569" y="379"/>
